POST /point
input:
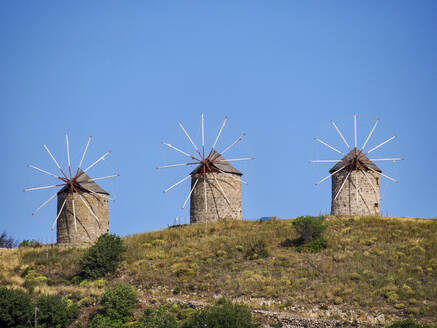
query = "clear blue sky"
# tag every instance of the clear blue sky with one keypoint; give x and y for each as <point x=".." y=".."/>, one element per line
<point x="126" y="71"/>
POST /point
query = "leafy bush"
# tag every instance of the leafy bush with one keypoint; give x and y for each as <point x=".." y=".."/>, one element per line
<point x="160" y="318"/>
<point x="409" y="323"/>
<point x="101" y="321"/>
<point x="226" y="315"/>
<point x="55" y="312"/>
<point x="30" y="243"/>
<point x="16" y="309"/>
<point x="7" y="241"/>
<point x="315" y="246"/>
<point x="119" y="301"/>
<point x="309" y="228"/>
<point x="256" y="250"/>
<point x="102" y="258"/>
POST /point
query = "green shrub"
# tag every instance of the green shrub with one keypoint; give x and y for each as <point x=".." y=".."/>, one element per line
<point x="118" y="302"/>
<point x="409" y="323"/>
<point x="160" y="318"/>
<point x="15" y="309"/>
<point x="102" y="258"/>
<point x="256" y="250"/>
<point x="226" y="315"/>
<point x="101" y="321"/>
<point x="30" y="243"/>
<point x="315" y="246"/>
<point x="55" y="312"/>
<point x="309" y="228"/>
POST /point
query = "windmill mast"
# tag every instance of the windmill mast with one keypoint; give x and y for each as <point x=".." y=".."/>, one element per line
<point x="215" y="191"/>
<point x="355" y="177"/>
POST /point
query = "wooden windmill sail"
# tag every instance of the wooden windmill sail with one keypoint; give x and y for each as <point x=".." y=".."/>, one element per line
<point x="215" y="191"/>
<point x="355" y="177"/>
<point x="82" y="214"/>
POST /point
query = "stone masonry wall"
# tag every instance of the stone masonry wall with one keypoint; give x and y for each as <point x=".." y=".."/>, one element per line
<point x="88" y="229"/>
<point x="368" y="202"/>
<point x="218" y="207"/>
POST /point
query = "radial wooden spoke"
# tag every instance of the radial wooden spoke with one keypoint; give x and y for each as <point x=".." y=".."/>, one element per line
<point x="177" y="183"/>
<point x="344" y="140"/>
<point x="44" y="171"/>
<point x="54" y="160"/>
<point x="223" y="192"/>
<point x="44" y="204"/>
<point x="203" y="138"/>
<point x="329" y="146"/>
<point x="220" y="131"/>
<point x="342" y="185"/>
<point x="355" y="129"/>
<point x="99" y="160"/>
<point x="176" y="165"/>
<point x="232" y="176"/>
<point x="370" y="134"/>
<point x="180" y="151"/>
<point x="204" y="188"/>
<point x="89" y="209"/>
<point x="386" y="159"/>
<point x="356" y="189"/>
<point x="74" y="215"/>
<point x="385" y="176"/>
<point x="189" y="138"/>
<point x="327" y="161"/>
<point x="44" y="187"/>
<point x="84" y="153"/>
<point x="191" y="191"/>
<point x="233" y="144"/>
<point x="381" y="144"/>
<point x="370" y="182"/>
<point x="59" y="213"/>
<point x="68" y="154"/>
<point x="234" y="160"/>
<point x="95" y="193"/>
<point x="103" y="178"/>
<point x="330" y="175"/>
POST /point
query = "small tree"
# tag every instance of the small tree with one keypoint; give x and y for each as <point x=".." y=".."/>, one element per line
<point x="224" y="315"/>
<point x="102" y="258"/>
<point x="7" y="241"/>
<point x="55" y="312"/>
<point x="118" y="302"/>
<point x="15" y="309"/>
<point x="309" y="228"/>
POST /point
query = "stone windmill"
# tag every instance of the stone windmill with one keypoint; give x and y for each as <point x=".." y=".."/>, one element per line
<point x="82" y="211"/>
<point x="215" y="184"/>
<point x="355" y="177"/>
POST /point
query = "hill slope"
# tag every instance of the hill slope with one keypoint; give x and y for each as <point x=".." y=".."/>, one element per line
<point x="373" y="269"/>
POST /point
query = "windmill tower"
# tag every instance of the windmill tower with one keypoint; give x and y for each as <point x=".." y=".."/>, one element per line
<point x="215" y="184"/>
<point x="355" y="177"/>
<point x="82" y="210"/>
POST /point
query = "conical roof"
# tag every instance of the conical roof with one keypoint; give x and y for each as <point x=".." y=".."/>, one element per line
<point x="350" y="156"/>
<point x="83" y="181"/>
<point x="216" y="160"/>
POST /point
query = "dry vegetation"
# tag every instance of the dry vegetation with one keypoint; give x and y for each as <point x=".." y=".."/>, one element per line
<point x="370" y="264"/>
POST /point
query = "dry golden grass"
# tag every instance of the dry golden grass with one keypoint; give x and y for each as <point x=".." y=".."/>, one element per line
<point x="370" y="264"/>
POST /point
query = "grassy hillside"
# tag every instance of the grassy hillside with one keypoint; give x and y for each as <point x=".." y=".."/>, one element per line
<point x="371" y="266"/>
